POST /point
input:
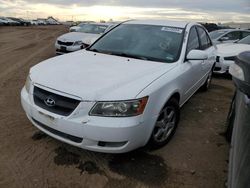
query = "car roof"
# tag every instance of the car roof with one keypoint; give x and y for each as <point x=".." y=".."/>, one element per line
<point x="169" y="23"/>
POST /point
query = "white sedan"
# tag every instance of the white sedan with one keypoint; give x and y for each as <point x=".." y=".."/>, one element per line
<point x="226" y="54"/>
<point x="228" y="35"/>
<point x="85" y="35"/>
<point x="124" y="91"/>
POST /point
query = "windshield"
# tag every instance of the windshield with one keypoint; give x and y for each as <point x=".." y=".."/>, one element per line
<point x="148" y="42"/>
<point x="94" y="29"/>
<point x="81" y="24"/>
<point x="245" y="40"/>
<point x="217" y="33"/>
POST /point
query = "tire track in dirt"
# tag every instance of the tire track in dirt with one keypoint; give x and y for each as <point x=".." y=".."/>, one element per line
<point x="16" y="130"/>
<point x="19" y="63"/>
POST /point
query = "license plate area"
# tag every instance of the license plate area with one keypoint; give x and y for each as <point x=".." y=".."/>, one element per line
<point x="50" y="118"/>
<point x="63" y="48"/>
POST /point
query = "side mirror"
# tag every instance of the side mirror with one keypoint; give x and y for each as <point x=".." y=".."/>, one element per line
<point x="197" y="55"/>
<point x="240" y="71"/>
<point x="224" y="39"/>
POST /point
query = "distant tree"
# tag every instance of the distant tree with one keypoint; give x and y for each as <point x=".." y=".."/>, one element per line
<point x="210" y="26"/>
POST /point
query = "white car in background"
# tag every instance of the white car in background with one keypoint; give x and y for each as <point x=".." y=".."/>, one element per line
<point x="226" y="54"/>
<point x="228" y="35"/>
<point x="125" y="90"/>
<point x="34" y="22"/>
<point x="81" y="39"/>
<point x="79" y="26"/>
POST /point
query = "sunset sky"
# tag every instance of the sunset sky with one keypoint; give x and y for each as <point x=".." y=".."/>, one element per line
<point x="196" y="10"/>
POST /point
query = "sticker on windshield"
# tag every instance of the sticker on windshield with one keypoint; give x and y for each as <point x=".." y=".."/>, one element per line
<point x="172" y="29"/>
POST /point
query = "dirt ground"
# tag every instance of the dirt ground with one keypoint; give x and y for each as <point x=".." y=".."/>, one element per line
<point x="197" y="156"/>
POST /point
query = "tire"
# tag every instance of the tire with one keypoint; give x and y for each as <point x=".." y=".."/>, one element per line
<point x="165" y="125"/>
<point x="207" y="84"/>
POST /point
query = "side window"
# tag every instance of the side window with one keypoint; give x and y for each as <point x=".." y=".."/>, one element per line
<point x="193" y="41"/>
<point x="245" y="34"/>
<point x="234" y="35"/>
<point x="204" y="39"/>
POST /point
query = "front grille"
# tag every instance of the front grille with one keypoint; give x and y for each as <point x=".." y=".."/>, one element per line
<point x="58" y="133"/>
<point x="61" y="105"/>
<point x="65" y="43"/>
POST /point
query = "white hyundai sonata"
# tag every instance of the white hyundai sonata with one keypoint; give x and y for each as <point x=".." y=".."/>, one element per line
<point x="125" y="90"/>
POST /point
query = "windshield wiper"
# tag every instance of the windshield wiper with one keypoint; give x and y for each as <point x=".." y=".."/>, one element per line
<point x="93" y="50"/>
<point x="122" y="54"/>
<point x="128" y="55"/>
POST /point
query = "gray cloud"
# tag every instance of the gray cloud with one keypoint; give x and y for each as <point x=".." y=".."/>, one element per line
<point x="211" y="5"/>
<point x="213" y="10"/>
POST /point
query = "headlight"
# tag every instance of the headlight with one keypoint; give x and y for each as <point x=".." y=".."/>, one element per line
<point x="28" y="84"/>
<point x="119" y="108"/>
<point x="78" y="43"/>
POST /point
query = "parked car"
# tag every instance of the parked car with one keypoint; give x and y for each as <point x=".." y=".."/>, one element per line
<point x="3" y="22"/>
<point x="10" y="21"/>
<point x="239" y="161"/>
<point x="79" y="26"/>
<point x="20" y="21"/>
<point x="41" y="22"/>
<point x="34" y="22"/>
<point x="125" y="90"/>
<point x="226" y="54"/>
<point x="85" y="36"/>
<point x="228" y="35"/>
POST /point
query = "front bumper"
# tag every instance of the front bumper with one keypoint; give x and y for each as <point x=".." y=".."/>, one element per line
<point x="101" y="134"/>
<point x="222" y="66"/>
<point x="62" y="49"/>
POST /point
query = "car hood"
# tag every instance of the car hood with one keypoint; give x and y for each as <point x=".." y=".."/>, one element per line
<point x="94" y="76"/>
<point x="86" y="38"/>
<point x="233" y="49"/>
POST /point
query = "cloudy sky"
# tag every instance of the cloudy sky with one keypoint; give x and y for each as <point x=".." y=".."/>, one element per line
<point x="196" y="10"/>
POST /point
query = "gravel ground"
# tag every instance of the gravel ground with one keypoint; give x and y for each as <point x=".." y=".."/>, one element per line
<point x="197" y="156"/>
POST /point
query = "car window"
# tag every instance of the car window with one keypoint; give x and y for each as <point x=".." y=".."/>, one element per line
<point x="234" y="35"/>
<point x="93" y="28"/>
<point x="82" y="24"/>
<point x="148" y="42"/>
<point x="204" y="39"/>
<point x="245" y="40"/>
<point x="217" y="33"/>
<point x="245" y="34"/>
<point x="193" y="40"/>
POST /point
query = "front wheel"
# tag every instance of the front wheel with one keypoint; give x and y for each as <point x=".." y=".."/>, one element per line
<point x="166" y="124"/>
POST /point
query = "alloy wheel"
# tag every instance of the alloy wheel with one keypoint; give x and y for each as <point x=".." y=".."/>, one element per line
<point x="165" y="124"/>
